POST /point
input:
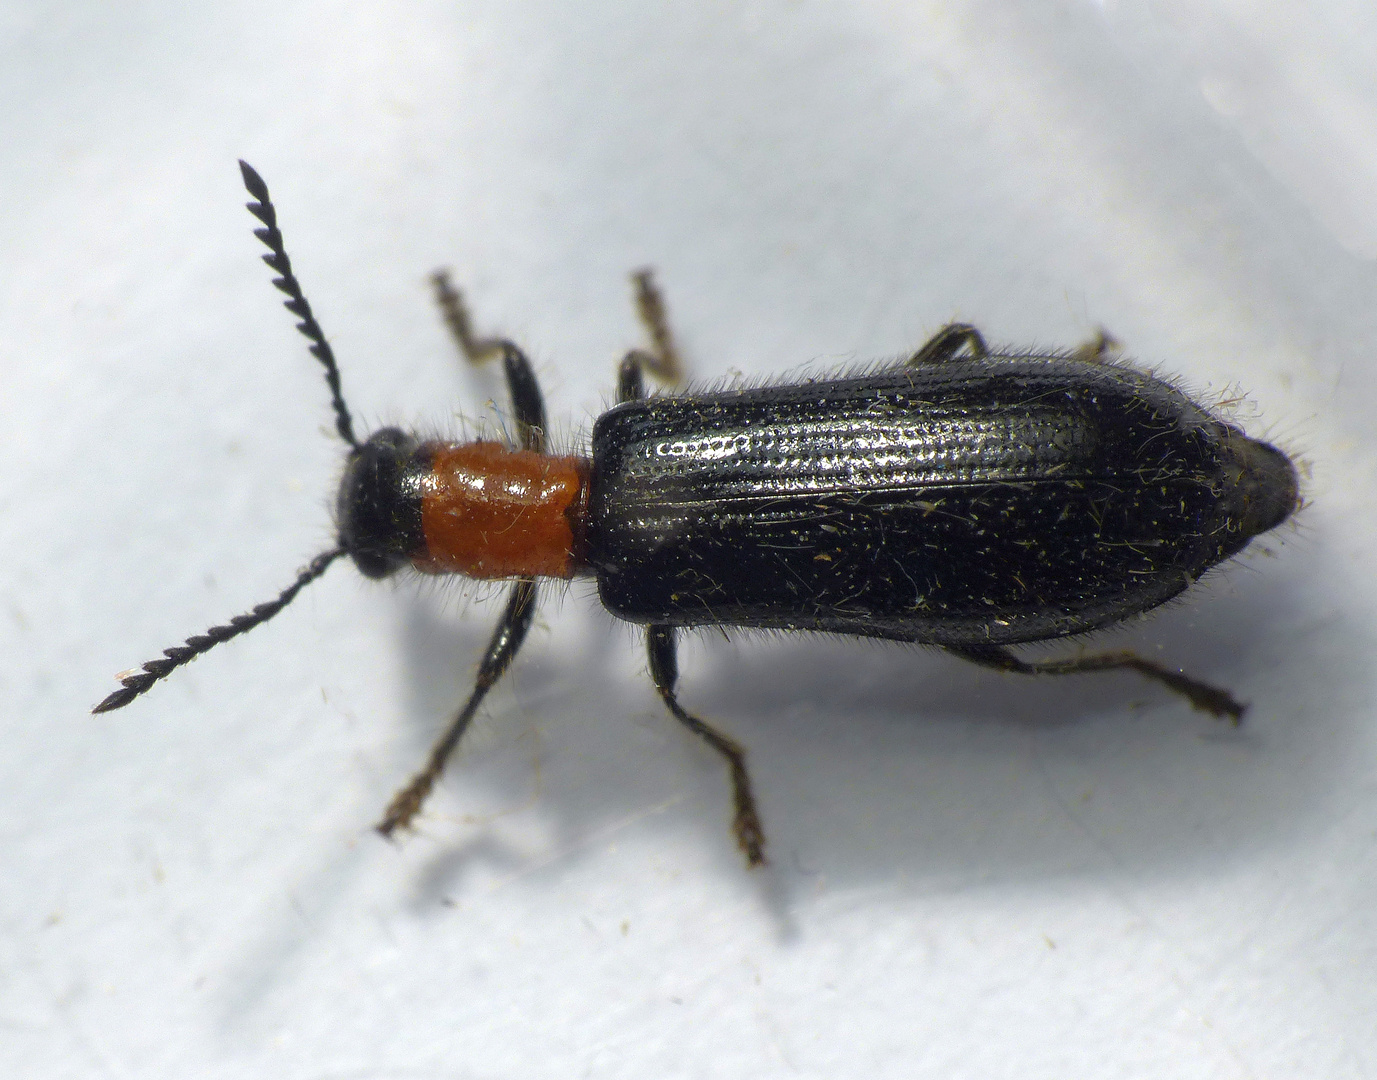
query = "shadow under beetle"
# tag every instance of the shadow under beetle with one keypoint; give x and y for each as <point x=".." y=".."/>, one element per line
<point x="962" y="498"/>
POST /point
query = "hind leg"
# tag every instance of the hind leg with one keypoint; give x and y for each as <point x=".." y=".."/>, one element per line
<point x="1203" y="696"/>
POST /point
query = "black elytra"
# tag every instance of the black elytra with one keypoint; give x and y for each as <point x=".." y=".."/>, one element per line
<point x="986" y="500"/>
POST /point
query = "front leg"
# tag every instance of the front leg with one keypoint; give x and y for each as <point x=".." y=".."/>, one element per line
<point x="528" y="407"/>
<point x="506" y="641"/>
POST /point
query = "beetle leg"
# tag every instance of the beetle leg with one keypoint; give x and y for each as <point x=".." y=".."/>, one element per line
<point x="528" y="407"/>
<point x="948" y="342"/>
<point x="1101" y="347"/>
<point x="630" y="384"/>
<point x="506" y="640"/>
<point x="664" y="670"/>
<point x="662" y="358"/>
<point x="1206" y="698"/>
<point x="476" y="350"/>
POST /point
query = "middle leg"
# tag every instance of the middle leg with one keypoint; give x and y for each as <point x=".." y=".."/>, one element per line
<point x="664" y="670"/>
<point x="661" y="644"/>
<point x="662" y="358"/>
<point x="949" y="343"/>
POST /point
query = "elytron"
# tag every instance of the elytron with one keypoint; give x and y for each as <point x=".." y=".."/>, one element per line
<point x="962" y="498"/>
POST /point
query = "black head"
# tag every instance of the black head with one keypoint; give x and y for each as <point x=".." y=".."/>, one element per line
<point x="379" y="505"/>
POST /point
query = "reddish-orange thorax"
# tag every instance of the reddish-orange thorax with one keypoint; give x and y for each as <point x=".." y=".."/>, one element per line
<point x="488" y="511"/>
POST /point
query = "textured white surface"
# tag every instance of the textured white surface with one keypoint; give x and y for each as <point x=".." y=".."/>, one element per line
<point x="973" y="876"/>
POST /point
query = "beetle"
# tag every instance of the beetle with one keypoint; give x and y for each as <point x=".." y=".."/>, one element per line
<point x="963" y="498"/>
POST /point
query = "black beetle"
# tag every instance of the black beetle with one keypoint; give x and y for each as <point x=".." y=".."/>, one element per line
<point x="962" y="498"/>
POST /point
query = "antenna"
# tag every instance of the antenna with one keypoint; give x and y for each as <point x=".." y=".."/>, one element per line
<point x="143" y="679"/>
<point x="296" y="303"/>
<point x="140" y="681"/>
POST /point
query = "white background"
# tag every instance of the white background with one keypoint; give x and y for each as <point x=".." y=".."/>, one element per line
<point x="973" y="875"/>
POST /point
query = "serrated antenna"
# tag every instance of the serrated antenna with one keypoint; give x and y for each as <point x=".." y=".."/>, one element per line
<point x="140" y="681"/>
<point x="296" y="303"/>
